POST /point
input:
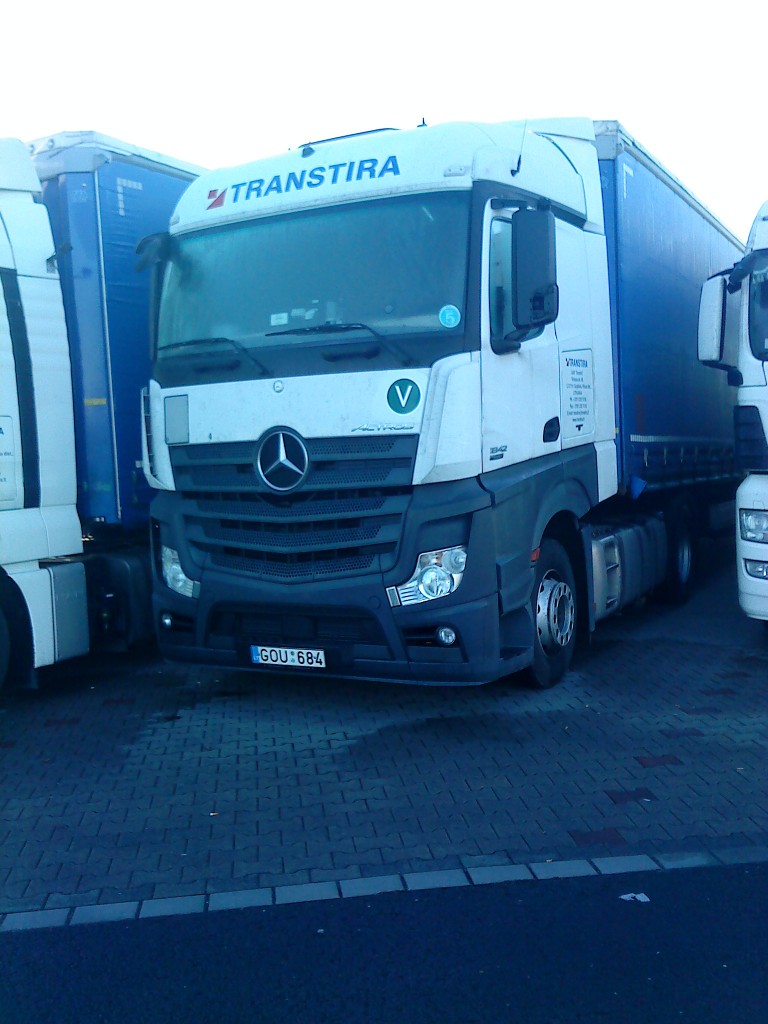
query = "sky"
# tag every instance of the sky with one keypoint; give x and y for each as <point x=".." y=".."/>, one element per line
<point x="219" y="85"/>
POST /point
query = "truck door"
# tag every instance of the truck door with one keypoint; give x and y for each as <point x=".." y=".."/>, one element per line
<point x="520" y="388"/>
<point x="575" y="334"/>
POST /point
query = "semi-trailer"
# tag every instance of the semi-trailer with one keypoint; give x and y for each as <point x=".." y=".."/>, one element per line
<point x="425" y="404"/>
<point x="74" y="355"/>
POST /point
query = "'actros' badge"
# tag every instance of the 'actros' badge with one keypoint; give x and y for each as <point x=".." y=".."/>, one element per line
<point x="282" y="461"/>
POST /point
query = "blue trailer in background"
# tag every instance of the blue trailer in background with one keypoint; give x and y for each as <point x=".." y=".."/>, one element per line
<point x="103" y="196"/>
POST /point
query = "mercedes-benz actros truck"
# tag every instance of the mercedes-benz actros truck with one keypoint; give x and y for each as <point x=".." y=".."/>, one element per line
<point x="426" y="404"/>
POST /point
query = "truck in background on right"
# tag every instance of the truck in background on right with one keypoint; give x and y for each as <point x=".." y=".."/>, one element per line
<point x="733" y="337"/>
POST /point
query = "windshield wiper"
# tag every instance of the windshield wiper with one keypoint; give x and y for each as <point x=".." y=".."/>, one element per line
<point x="348" y="352"/>
<point x="325" y="329"/>
<point x="237" y="345"/>
<point x="336" y="355"/>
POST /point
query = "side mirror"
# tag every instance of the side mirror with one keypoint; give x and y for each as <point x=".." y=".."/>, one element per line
<point x="535" y="297"/>
<point x="712" y="321"/>
<point x="719" y="318"/>
<point x="152" y="249"/>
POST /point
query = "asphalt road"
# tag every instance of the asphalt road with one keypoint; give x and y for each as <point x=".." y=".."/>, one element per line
<point x="693" y="947"/>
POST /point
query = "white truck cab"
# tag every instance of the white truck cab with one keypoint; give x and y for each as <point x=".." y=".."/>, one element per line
<point x="733" y="336"/>
<point x="39" y="598"/>
<point x="423" y="403"/>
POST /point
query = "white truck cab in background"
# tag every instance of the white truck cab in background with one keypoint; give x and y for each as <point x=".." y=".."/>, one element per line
<point x="733" y="336"/>
<point x="38" y="515"/>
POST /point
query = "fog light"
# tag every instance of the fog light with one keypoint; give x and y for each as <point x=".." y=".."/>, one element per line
<point x="166" y="620"/>
<point x="446" y="636"/>
<point x="757" y="569"/>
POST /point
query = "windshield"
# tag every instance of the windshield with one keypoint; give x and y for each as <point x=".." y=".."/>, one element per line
<point x="758" y="308"/>
<point x="374" y="271"/>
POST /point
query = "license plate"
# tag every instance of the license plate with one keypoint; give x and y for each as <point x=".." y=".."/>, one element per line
<point x="287" y="657"/>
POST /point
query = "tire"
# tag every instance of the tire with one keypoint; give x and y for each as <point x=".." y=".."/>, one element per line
<point x="554" y="610"/>
<point x="678" y="582"/>
<point x="17" y="664"/>
<point x="5" y="649"/>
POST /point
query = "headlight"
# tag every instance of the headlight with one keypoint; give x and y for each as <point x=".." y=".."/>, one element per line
<point x="757" y="569"/>
<point x="174" y="576"/>
<point x="437" y="574"/>
<point x="754" y="525"/>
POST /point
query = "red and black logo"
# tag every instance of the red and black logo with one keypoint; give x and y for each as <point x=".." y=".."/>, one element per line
<point x="217" y="198"/>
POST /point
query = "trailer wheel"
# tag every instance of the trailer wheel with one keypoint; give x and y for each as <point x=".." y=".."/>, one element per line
<point x="17" y="658"/>
<point x="5" y="648"/>
<point x="677" y="585"/>
<point x="553" y="604"/>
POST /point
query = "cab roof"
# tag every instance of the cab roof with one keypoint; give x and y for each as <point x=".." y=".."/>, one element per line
<point x="536" y="157"/>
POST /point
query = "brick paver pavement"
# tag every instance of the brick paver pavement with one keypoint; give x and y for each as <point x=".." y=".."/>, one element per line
<point x="128" y="780"/>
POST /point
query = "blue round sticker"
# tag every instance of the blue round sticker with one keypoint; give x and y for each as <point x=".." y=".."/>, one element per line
<point x="450" y="316"/>
<point x="403" y="396"/>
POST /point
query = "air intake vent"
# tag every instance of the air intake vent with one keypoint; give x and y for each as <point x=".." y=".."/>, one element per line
<point x="751" y="445"/>
<point x="344" y="520"/>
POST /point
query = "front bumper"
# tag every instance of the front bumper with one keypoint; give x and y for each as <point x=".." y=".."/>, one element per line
<point x="753" y="591"/>
<point x="350" y="619"/>
<point x="394" y="645"/>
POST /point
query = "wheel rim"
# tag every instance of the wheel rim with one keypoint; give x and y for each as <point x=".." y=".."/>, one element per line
<point x="5" y="648"/>
<point x="555" y="614"/>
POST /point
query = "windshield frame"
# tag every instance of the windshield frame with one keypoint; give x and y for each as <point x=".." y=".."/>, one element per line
<point x="759" y="350"/>
<point x="356" y="346"/>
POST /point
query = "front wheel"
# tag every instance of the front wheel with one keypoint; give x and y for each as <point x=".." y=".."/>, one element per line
<point x="5" y="648"/>
<point x="553" y="605"/>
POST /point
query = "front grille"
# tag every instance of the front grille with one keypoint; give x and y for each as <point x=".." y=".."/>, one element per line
<point x="346" y="519"/>
<point x="297" y="628"/>
<point x="751" y="443"/>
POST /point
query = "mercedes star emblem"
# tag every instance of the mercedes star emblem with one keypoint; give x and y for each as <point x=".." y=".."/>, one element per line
<point x="282" y="461"/>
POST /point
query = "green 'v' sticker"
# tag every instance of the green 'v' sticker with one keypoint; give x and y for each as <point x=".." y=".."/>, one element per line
<point x="403" y="396"/>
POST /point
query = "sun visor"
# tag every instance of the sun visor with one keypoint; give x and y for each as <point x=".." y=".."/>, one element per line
<point x="546" y="171"/>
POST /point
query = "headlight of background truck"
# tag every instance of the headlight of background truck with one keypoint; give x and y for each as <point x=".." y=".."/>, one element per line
<point x="754" y="525"/>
